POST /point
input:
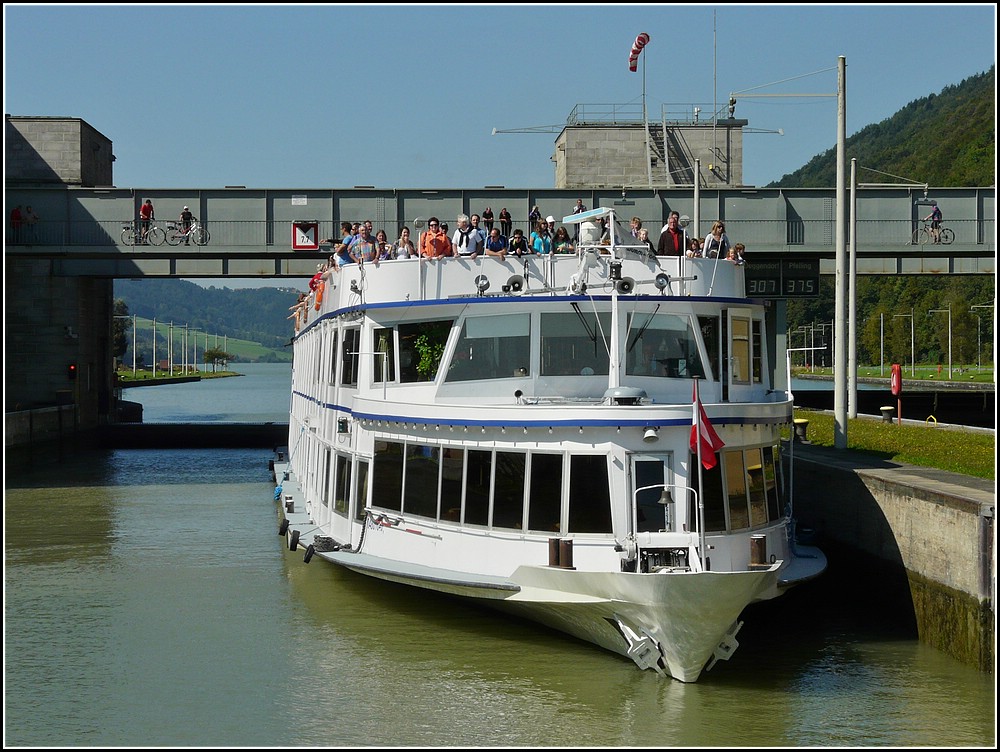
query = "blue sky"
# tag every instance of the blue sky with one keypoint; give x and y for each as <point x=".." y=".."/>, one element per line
<point x="403" y="96"/>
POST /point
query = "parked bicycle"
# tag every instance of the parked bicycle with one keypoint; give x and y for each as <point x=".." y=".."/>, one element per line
<point x="924" y="235"/>
<point x="196" y="233"/>
<point x="132" y="236"/>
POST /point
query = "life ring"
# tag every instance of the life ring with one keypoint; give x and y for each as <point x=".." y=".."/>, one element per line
<point x="309" y="553"/>
<point x="283" y="527"/>
<point x="319" y="294"/>
<point x="294" y="542"/>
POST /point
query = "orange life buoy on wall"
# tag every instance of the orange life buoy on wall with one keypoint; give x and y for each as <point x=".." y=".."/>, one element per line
<point x="319" y="294"/>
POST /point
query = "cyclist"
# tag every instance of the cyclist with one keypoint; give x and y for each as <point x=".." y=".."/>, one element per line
<point x="186" y="217"/>
<point x="935" y="217"/>
<point x="146" y="214"/>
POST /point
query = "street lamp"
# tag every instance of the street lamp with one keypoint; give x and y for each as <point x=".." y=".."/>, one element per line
<point x="976" y="307"/>
<point x="913" y="351"/>
<point x="948" y="311"/>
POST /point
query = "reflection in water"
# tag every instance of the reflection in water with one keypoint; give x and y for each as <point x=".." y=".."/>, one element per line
<point x="149" y="601"/>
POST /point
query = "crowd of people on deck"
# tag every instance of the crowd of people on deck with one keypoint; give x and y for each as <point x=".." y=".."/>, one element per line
<point x="481" y="235"/>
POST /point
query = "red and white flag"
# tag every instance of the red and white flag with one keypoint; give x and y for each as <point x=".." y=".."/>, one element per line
<point x="702" y="428"/>
<point x="633" y="59"/>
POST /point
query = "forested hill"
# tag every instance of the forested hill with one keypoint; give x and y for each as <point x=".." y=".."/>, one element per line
<point x="259" y="315"/>
<point x="947" y="140"/>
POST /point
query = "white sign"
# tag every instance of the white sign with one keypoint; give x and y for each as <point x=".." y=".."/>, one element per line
<point x="305" y="236"/>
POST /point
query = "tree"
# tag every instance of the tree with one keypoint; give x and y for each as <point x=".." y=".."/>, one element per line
<point x="217" y="356"/>
<point x="119" y="329"/>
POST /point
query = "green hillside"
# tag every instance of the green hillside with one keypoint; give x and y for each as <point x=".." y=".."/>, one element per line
<point x="253" y="321"/>
<point x="947" y="140"/>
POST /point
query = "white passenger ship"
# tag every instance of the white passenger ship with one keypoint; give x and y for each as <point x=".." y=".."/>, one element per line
<point x="519" y="431"/>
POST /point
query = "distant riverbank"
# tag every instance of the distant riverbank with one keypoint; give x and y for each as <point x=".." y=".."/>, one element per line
<point x="126" y="380"/>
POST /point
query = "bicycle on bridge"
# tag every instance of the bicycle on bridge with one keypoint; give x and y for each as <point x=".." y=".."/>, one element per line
<point x="133" y="236"/>
<point x="196" y="233"/>
<point x="923" y="235"/>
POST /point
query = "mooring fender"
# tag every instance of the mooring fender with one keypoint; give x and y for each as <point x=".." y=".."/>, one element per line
<point x="283" y="527"/>
<point x="309" y="553"/>
<point x="294" y="542"/>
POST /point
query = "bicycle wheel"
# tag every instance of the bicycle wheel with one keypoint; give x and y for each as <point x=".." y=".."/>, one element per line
<point x="155" y="236"/>
<point x="174" y="236"/>
<point x="947" y="236"/>
<point x="200" y="236"/>
<point x="128" y="236"/>
<point x="920" y="236"/>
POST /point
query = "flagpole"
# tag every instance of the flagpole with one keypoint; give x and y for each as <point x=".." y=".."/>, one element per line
<point x="645" y="122"/>
<point x="701" y="484"/>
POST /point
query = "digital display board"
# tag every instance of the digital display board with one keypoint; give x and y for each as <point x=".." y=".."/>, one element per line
<point x="782" y="279"/>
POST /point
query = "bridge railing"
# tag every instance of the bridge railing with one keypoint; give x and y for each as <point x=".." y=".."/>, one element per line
<point x="757" y="235"/>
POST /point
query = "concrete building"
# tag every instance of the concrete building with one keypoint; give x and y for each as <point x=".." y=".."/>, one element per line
<point x="617" y="146"/>
<point x="46" y="150"/>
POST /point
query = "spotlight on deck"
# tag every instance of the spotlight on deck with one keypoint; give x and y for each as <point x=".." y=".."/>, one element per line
<point x="662" y="281"/>
<point x="651" y="435"/>
<point x="482" y="283"/>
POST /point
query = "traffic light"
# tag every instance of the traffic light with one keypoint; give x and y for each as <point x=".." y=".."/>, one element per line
<point x="71" y="371"/>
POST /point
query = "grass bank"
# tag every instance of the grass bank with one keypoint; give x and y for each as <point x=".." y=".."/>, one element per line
<point x="946" y="448"/>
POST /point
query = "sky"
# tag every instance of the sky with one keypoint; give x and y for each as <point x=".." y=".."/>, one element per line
<point x="408" y="95"/>
<point x="320" y="96"/>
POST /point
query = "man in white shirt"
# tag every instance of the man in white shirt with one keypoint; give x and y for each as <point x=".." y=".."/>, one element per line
<point x="467" y="241"/>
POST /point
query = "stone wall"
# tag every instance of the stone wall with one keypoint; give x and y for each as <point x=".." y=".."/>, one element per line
<point x="938" y="531"/>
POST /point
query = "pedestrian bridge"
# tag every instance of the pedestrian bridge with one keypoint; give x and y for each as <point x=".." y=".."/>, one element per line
<point x="278" y="232"/>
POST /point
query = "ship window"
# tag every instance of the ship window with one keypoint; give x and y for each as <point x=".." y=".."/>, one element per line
<point x="589" y="494"/>
<point x="736" y="490"/>
<point x="772" y="482"/>
<point x="349" y="365"/>
<point x="740" y="351"/>
<point x="421" y="346"/>
<point x="362" y="490"/>
<point x="342" y="492"/>
<point x="756" y="486"/>
<point x="492" y="347"/>
<point x="478" y="471"/>
<point x="452" y="466"/>
<point x="325" y="492"/>
<point x="650" y="476"/>
<point x="333" y="358"/>
<point x="575" y="342"/>
<point x="663" y="345"/>
<point x="508" y="493"/>
<point x="757" y="371"/>
<point x="711" y="496"/>
<point x="709" y="326"/>
<point x="384" y="360"/>
<point x="387" y="486"/>
<point x="546" y="492"/>
<point x="421" y="486"/>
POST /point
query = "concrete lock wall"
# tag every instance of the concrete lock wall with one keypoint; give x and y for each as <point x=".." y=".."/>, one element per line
<point x="940" y="534"/>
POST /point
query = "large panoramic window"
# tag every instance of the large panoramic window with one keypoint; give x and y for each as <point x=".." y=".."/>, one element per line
<point x="421" y="346"/>
<point x="341" y="497"/>
<point x="478" y="475"/>
<point x="492" y="347"/>
<point x="545" y="500"/>
<point x="575" y="343"/>
<point x="589" y="494"/>
<point x="421" y="487"/>
<point x="662" y="344"/>
<point x="387" y="475"/>
<point x="508" y="494"/>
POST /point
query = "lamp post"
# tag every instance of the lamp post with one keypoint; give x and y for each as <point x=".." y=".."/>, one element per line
<point x="194" y="343"/>
<point x="948" y="311"/>
<point x="913" y="351"/>
<point x="976" y="307"/>
<point x="154" y="347"/>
